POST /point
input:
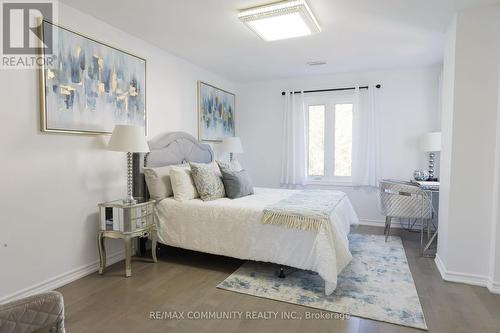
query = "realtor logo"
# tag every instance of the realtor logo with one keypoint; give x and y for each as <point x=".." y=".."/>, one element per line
<point x="22" y="40"/>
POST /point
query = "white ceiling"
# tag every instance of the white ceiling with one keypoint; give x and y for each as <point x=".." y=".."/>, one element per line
<point x="357" y="34"/>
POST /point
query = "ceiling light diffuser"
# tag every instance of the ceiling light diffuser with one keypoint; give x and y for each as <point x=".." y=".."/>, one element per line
<point x="281" y="20"/>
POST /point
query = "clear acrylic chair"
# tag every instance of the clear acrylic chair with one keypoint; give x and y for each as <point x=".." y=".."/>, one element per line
<point x="404" y="200"/>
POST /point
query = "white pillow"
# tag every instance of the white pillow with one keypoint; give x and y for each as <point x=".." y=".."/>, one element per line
<point x="158" y="181"/>
<point x="182" y="184"/>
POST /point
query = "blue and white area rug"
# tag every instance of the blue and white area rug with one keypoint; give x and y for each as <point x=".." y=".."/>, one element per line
<point x="377" y="284"/>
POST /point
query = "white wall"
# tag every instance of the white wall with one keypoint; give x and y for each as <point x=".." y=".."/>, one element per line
<point x="469" y="199"/>
<point x="448" y="85"/>
<point x="408" y="102"/>
<point x="52" y="183"/>
<point x="495" y="228"/>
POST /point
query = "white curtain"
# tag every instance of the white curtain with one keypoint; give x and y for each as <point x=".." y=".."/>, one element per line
<point x="293" y="163"/>
<point x="366" y="142"/>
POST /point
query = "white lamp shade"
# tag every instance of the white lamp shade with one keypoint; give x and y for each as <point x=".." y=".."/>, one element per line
<point x="431" y="142"/>
<point x="231" y="145"/>
<point x="128" y="138"/>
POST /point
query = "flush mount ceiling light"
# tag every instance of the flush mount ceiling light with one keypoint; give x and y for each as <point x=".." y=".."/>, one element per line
<point x="281" y="20"/>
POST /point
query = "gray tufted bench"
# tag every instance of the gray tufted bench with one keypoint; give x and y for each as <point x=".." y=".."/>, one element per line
<point x="32" y="314"/>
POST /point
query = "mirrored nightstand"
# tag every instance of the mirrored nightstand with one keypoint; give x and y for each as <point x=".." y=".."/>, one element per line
<point x="126" y="221"/>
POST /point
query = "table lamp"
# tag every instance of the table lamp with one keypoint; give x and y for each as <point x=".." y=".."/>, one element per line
<point x="129" y="139"/>
<point x="431" y="142"/>
<point x="231" y="145"/>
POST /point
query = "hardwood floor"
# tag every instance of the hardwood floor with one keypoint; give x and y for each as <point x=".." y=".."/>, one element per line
<point x="185" y="281"/>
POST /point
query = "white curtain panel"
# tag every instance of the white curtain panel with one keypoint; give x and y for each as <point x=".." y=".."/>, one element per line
<point x="293" y="164"/>
<point x="366" y="139"/>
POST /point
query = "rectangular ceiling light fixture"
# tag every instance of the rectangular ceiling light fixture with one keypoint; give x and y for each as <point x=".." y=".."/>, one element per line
<point x="281" y="20"/>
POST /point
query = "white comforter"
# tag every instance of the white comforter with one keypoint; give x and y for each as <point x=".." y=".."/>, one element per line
<point x="233" y="228"/>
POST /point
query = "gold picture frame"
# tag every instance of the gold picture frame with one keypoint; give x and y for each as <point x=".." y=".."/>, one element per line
<point x="43" y="70"/>
<point x="226" y="105"/>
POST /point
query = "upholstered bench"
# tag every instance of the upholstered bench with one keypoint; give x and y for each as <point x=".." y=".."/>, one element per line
<point x="33" y="314"/>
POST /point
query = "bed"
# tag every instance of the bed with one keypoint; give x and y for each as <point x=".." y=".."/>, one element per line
<point x="233" y="227"/>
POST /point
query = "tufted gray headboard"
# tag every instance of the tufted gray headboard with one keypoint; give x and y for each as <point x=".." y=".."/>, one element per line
<point x="168" y="149"/>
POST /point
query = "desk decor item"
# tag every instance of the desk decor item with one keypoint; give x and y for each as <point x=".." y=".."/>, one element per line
<point x="216" y="109"/>
<point x="420" y="175"/>
<point x="231" y="145"/>
<point x="431" y="142"/>
<point x="129" y="139"/>
<point x="88" y="87"/>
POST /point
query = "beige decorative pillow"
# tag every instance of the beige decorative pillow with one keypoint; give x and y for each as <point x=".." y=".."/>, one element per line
<point x="182" y="184"/>
<point x="158" y="181"/>
<point x="207" y="180"/>
<point x="231" y="166"/>
<point x="214" y="166"/>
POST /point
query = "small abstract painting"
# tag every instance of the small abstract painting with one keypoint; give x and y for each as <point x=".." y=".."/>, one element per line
<point x="88" y="87"/>
<point x="216" y="108"/>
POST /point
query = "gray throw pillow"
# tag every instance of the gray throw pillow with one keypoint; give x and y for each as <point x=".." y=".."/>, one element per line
<point x="233" y="165"/>
<point x="237" y="183"/>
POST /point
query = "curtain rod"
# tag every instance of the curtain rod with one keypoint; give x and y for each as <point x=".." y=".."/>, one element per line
<point x="325" y="90"/>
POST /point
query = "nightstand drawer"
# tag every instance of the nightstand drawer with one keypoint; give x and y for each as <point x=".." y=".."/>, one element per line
<point x="117" y="216"/>
<point x="144" y="221"/>
<point x="139" y="212"/>
<point x="133" y="224"/>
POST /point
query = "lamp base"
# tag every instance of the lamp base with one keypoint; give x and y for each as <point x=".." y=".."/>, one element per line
<point x="129" y="201"/>
<point x="431" y="165"/>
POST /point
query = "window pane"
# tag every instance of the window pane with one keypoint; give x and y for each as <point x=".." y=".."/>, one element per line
<point x="343" y="140"/>
<point x="316" y="132"/>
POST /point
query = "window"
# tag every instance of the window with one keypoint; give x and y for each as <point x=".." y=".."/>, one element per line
<point x="329" y="138"/>
<point x="316" y="141"/>
<point x="343" y="140"/>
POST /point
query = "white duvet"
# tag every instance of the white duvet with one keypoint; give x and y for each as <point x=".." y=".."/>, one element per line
<point x="233" y="228"/>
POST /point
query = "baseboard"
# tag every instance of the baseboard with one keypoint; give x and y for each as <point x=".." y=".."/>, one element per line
<point x="472" y="279"/>
<point x="451" y="276"/>
<point x="493" y="287"/>
<point x="63" y="279"/>
<point x="378" y="223"/>
<point x="381" y="223"/>
<point x="440" y="266"/>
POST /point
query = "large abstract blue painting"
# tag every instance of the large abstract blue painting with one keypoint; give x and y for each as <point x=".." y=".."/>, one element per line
<point x="216" y="113"/>
<point x="89" y="86"/>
